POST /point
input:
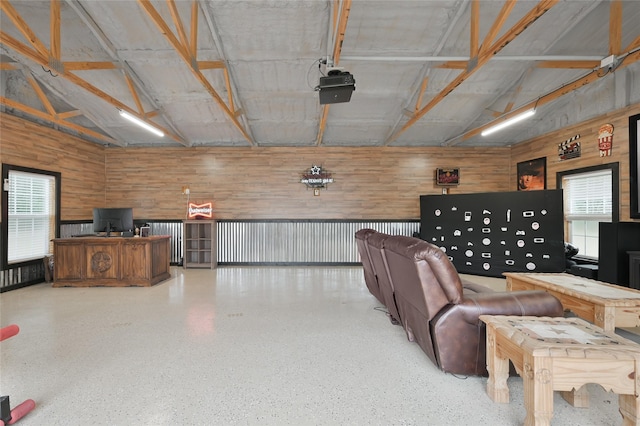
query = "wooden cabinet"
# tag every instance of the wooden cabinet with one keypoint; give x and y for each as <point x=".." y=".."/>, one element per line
<point x="111" y="262"/>
<point x="200" y="244"/>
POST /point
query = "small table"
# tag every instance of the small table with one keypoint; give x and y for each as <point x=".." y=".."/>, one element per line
<point x="560" y="354"/>
<point x="606" y="305"/>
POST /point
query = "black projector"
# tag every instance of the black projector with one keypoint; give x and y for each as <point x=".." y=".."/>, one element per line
<point x="336" y="87"/>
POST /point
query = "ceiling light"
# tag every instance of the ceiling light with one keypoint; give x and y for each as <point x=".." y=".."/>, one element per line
<point x="508" y="122"/>
<point x="141" y="123"/>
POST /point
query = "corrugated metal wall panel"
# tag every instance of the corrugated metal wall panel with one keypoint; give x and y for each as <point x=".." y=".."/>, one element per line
<point x="295" y="242"/>
<point x="281" y="242"/>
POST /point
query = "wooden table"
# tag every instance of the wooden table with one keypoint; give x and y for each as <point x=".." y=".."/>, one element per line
<point x="606" y="305"/>
<point x="560" y="354"/>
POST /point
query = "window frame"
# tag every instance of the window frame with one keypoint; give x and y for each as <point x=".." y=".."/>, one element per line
<point x="4" y="230"/>
<point x="615" y="193"/>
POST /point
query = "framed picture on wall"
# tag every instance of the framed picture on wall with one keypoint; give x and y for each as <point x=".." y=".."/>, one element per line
<point x="447" y="177"/>
<point x="532" y="175"/>
<point x="634" y="164"/>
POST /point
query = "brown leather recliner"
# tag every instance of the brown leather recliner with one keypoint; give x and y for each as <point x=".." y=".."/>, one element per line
<point x="375" y="245"/>
<point x="441" y="317"/>
<point x="369" y="274"/>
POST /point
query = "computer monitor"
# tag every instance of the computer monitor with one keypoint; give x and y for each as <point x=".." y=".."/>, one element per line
<point x="112" y="220"/>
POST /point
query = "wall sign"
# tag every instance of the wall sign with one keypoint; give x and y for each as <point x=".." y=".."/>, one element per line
<point x="570" y="148"/>
<point x="316" y="178"/>
<point x="605" y="140"/>
<point x="447" y="177"/>
<point x="200" y="211"/>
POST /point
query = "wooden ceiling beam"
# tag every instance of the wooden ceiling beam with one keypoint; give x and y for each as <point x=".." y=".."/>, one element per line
<point x="134" y="94"/>
<point x="209" y="65"/>
<point x="341" y="25"/>
<point x="192" y="65"/>
<point x="33" y="55"/>
<point x="615" y="28"/>
<point x="474" y="29"/>
<point x="504" y="13"/>
<point x="587" y="65"/>
<point x="54" y="30"/>
<point x="40" y="93"/>
<point x="24" y="29"/>
<point x="423" y="88"/>
<point x="7" y="66"/>
<point x="193" y="42"/>
<point x="69" y="114"/>
<point x="89" y="66"/>
<point x="633" y="45"/>
<point x="177" y="22"/>
<point x="57" y="120"/>
<point x="487" y="53"/>
<point x="552" y="96"/>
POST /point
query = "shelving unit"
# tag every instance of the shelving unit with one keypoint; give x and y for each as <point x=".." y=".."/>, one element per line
<point x="200" y="244"/>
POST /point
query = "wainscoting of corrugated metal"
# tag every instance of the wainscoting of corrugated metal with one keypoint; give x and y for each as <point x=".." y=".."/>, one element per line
<point x="256" y="242"/>
<point x="252" y="242"/>
<point x="290" y="242"/>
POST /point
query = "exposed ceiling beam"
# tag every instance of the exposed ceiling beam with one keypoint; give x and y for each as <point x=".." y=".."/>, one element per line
<point x="190" y="61"/>
<point x="504" y="13"/>
<point x="615" y="27"/>
<point x="426" y="70"/>
<point x="549" y="97"/>
<point x="32" y="54"/>
<point x="235" y="106"/>
<point x="54" y="29"/>
<point x="57" y="120"/>
<point x="117" y="63"/>
<point x="474" y="28"/>
<point x="341" y="27"/>
<point x="26" y="31"/>
<point x="487" y="53"/>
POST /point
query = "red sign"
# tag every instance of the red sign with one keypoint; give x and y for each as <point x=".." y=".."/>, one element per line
<point x="200" y="211"/>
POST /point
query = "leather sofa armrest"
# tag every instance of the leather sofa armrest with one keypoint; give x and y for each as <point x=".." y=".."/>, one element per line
<point x="522" y="303"/>
<point x="459" y="337"/>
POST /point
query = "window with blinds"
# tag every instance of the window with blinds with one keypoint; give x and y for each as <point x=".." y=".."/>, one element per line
<point x="31" y="216"/>
<point x="588" y="200"/>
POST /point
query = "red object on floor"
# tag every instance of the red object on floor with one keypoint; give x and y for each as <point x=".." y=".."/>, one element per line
<point x="20" y="411"/>
<point x="23" y="409"/>
<point x="8" y="331"/>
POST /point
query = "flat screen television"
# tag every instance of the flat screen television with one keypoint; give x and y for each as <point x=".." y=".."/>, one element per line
<point x="112" y="220"/>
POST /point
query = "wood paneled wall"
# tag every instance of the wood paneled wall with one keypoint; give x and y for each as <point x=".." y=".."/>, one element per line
<point x="81" y="163"/>
<point x="264" y="183"/>
<point x="547" y="146"/>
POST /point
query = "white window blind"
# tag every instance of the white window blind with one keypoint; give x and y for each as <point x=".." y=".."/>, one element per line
<point x="31" y="216"/>
<point x="587" y="196"/>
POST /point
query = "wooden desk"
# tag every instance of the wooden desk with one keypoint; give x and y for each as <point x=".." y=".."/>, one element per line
<point x="111" y="261"/>
<point x="606" y="305"/>
<point x="560" y="354"/>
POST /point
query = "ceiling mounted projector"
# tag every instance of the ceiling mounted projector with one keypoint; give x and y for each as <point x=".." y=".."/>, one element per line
<point x="336" y="87"/>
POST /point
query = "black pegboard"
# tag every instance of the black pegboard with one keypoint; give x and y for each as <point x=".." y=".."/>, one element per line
<point x="492" y="233"/>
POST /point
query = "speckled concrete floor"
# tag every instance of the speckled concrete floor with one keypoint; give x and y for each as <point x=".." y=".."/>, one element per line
<point x="239" y="346"/>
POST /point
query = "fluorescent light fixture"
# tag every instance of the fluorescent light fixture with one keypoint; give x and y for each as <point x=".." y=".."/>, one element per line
<point x="508" y="122"/>
<point x="141" y="123"/>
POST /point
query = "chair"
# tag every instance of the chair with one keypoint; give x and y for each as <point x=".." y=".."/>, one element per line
<point x="443" y="318"/>
<point x="369" y="274"/>
<point x="375" y="245"/>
